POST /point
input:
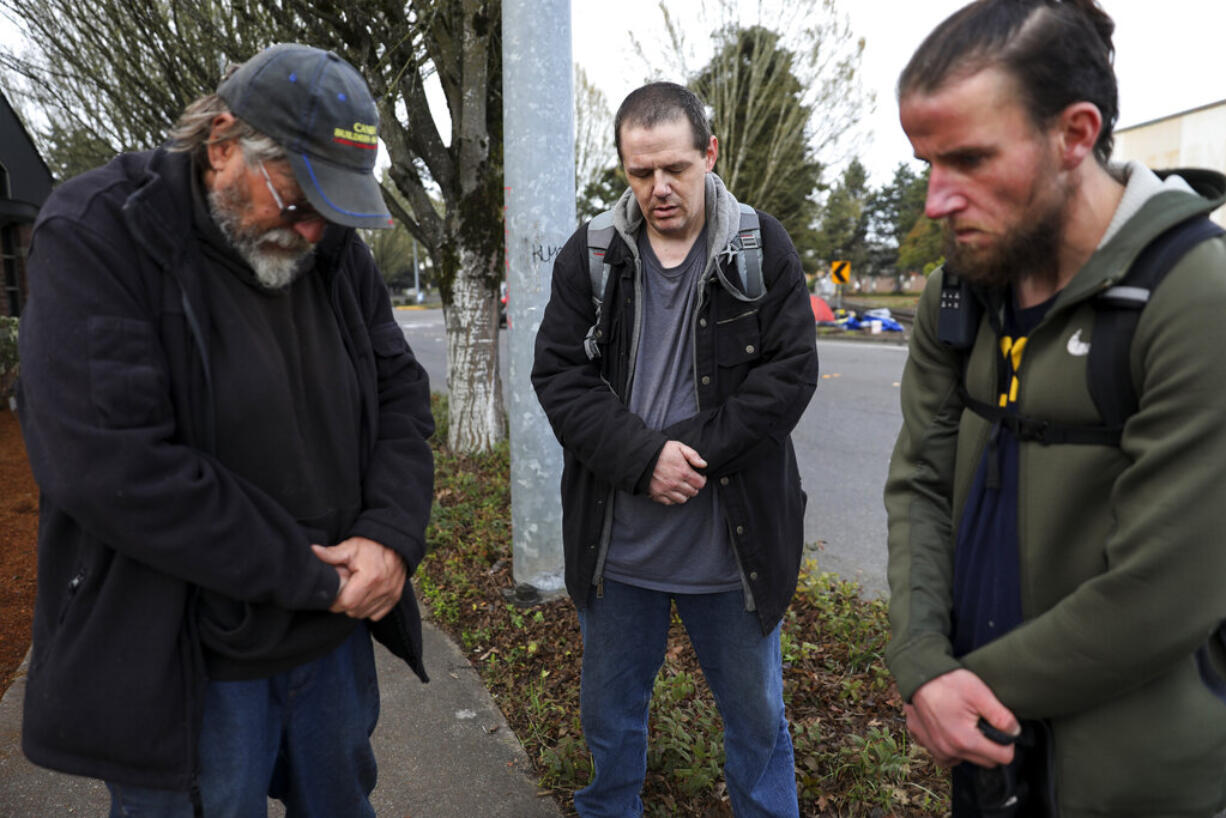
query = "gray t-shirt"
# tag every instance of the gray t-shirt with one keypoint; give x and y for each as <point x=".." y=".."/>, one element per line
<point x="685" y="548"/>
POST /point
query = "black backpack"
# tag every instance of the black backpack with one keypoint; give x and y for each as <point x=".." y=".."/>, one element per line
<point x="1108" y="373"/>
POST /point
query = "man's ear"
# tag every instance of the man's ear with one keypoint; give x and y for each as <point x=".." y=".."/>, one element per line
<point x="219" y="147"/>
<point x="1077" y="130"/>
<point x="712" y="153"/>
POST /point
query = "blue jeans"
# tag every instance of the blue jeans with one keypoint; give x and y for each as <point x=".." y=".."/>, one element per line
<point x="302" y="736"/>
<point x="625" y="635"/>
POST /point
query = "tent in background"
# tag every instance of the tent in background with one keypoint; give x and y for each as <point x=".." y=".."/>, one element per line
<point x="821" y="310"/>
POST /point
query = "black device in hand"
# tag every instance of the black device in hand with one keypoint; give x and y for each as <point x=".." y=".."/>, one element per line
<point x="1021" y="788"/>
<point x="998" y="736"/>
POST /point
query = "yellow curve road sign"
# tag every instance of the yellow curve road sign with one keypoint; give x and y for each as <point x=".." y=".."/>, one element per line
<point x="840" y="272"/>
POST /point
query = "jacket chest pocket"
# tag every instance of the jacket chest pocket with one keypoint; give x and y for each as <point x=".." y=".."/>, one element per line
<point x="738" y="339"/>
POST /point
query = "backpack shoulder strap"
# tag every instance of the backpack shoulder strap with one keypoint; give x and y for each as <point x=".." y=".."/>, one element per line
<point x="748" y="244"/>
<point x="1118" y="310"/>
<point x="1110" y="377"/>
<point x="600" y="232"/>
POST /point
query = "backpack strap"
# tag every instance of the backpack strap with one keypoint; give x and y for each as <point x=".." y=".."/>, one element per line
<point x="1037" y="430"/>
<point x="600" y="234"/>
<point x="1118" y="310"/>
<point x="748" y="247"/>
<point x="1120" y="400"/>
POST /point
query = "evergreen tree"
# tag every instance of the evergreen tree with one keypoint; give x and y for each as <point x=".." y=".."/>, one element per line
<point x="923" y="248"/>
<point x="760" y="119"/>
<point x="601" y="193"/>
<point x="842" y="231"/>
<point x="893" y="210"/>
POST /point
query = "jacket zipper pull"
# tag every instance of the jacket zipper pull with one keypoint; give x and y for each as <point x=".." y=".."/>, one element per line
<point x="600" y="588"/>
<point x="992" y="481"/>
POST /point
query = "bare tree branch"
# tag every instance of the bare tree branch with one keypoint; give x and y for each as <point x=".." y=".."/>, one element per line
<point x="113" y="75"/>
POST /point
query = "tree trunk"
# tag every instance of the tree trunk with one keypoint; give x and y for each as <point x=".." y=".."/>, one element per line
<point x="477" y="416"/>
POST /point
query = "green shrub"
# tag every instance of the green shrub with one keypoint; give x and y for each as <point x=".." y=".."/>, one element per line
<point x="854" y="758"/>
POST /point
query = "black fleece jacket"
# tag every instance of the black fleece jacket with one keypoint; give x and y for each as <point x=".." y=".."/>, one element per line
<point x="137" y="515"/>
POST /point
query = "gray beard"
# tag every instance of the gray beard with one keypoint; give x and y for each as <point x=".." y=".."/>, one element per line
<point x="274" y="269"/>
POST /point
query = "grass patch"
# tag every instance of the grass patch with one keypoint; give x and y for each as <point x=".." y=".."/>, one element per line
<point x="895" y="301"/>
<point x="853" y="755"/>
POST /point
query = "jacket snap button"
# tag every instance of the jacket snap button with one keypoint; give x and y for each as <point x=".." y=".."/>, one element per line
<point x="723" y="481"/>
<point x="740" y="529"/>
<point x="702" y="322"/>
<point x="706" y="380"/>
<point x="753" y="575"/>
<point x="749" y="349"/>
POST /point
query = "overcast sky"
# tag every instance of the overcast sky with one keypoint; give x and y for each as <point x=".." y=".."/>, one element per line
<point x="1168" y="55"/>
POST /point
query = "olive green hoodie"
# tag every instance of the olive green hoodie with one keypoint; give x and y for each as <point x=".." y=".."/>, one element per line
<point x="1122" y="549"/>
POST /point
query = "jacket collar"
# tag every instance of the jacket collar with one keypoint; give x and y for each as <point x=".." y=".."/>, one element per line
<point x="159" y="211"/>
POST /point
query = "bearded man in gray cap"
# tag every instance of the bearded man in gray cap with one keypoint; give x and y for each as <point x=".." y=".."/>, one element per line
<point x="229" y="433"/>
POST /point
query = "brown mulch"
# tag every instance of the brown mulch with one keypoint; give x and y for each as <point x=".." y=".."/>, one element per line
<point x="18" y="554"/>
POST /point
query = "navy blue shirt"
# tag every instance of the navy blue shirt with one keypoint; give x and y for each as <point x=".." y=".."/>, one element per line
<point x="987" y="578"/>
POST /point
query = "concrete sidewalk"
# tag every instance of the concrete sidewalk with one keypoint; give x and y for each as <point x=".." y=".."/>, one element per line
<point x="444" y="751"/>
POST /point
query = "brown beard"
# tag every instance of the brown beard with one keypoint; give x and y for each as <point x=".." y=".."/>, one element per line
<point x="1028" y="250"/>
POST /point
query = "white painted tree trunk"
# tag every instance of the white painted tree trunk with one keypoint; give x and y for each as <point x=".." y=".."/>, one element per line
<point x="477" y="414"/>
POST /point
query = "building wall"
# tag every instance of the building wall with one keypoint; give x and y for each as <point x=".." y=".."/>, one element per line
<point x="1195" y="138"/>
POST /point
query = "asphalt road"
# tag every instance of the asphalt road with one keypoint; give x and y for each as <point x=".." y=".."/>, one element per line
<point x="843" y="442"/>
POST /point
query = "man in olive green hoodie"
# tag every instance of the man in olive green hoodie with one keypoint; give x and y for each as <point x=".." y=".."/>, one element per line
<point x="1056" y="592"/>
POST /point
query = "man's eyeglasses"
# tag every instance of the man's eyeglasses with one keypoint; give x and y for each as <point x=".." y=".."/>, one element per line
<point x="292" y="213"/>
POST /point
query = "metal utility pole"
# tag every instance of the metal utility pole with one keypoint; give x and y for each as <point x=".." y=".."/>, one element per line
<point x="539" y="163"/>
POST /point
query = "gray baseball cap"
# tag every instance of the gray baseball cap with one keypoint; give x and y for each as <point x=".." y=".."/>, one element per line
<point x="316" y="106"/>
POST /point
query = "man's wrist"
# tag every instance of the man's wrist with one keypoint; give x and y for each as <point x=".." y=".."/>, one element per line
<point x="643" y="486"/>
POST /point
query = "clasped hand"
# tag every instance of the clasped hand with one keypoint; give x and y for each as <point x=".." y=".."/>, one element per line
<point x="675" y="478"/>
<point x="372" y="577"/>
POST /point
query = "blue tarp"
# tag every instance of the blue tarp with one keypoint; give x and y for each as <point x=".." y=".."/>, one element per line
<point x="849" y="320"/>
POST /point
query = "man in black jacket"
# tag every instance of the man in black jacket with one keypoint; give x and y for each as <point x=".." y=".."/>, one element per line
<point x="229" y="434"/>
<point x="680" y="482"/>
